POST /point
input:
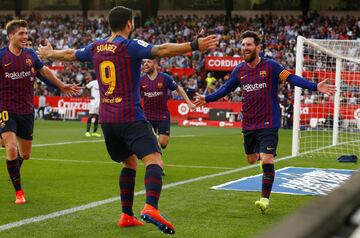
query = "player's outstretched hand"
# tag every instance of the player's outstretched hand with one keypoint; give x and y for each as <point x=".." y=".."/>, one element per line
<point x="44" y="50"/>
<point x="209" y="42"/>
<point x="199" y="100"/>
<point x="71" y="89"/>
<point x="326" y="88"/>
<point x="192" y="106"/>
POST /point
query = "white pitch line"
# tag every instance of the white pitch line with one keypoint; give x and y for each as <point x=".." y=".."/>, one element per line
<point x="110" y="200"/>
<point x="111" y="162"/>
<point x="88" y="141"/>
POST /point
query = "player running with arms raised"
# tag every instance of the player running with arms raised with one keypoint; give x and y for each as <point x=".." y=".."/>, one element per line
<point x="128" y="135"/>
<point x="154" y="88"/>
<point x="18" y="69"/>
<point x="259" y="78"/>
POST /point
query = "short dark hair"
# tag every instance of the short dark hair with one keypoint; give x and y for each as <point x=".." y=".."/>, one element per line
<point x="251" y="34"/>
<point x="31" y="39"/>
<point x="14" y="25"/>
<point x="118" y="17"/>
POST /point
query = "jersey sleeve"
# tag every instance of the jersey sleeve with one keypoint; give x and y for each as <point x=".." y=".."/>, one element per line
<point x="231" y="84"/>
<point x="292" y="78"/>
<point x="280" y="71"/>
<point x="139" y="49"/>
<point x="170" y="83"/>
<point x="84" y="54"/>
<point x="37" y="61"/>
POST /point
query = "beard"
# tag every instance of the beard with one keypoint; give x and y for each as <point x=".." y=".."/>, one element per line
<point x="250" y="58"/>
<point x="149" y="70"/>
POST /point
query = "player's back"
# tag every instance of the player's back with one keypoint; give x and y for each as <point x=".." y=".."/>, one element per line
<point x="17" y="80"/>
<point x="117" y="64"/>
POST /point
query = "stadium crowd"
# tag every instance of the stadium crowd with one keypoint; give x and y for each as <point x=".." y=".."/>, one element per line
<point x="279" y="43"/>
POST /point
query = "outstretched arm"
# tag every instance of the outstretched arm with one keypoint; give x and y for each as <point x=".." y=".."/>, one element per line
<point x="47" y="52"/>
<point x="172" y="49"/>
<point x="231" y="84"/>
<point x="181" y="91"/>
<point x="322" y="87"/>
<point x="69" y="89"/>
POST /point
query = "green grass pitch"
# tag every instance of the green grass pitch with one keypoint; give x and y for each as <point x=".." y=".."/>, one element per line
<point x="62" y="176"/>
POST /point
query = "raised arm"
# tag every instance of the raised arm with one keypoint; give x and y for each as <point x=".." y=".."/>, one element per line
<point x="231" y="84"/>
<point x="47" y="52"/>
<point x="181" y="91"/>
<point x="173" y="49"/>
<point x="69" y="89"/>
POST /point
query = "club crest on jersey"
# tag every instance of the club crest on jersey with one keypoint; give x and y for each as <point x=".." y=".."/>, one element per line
<point x="33" y="70"/>
<point x="262" y="73"/>
<point x="160" y="85"/>
<point x="28" y="62"/>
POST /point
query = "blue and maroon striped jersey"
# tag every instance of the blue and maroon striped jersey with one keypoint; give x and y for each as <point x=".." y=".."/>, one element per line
<point x="259" y="85"/>
<point x="155" y="95"/>
<point x="117" y="65"/>
<point x="17" y="76"/>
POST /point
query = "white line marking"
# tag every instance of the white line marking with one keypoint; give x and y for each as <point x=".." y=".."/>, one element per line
<point x="110" y="200"/>
<point x="111" y="162"/>
<point x="88" y="141"/>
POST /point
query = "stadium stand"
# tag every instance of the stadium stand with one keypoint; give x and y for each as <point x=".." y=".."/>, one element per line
<point x="73" y="31"/>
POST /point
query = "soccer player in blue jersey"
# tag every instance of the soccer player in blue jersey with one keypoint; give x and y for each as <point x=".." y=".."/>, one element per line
<point x="259" y="78"/>
<point x="128" y="135"/>
<point x="18" y="69"/>
<point x="154" y="88"/>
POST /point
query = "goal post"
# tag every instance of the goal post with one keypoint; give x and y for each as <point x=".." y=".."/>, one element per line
<point x="323" y="124"/>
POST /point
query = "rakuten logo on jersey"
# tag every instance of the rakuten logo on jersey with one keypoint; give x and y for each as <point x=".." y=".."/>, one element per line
<point x="73" y="105"/>
<point x="153" y="94"/>
<point x="17" y="75"/>
<point x="254" y="87"/>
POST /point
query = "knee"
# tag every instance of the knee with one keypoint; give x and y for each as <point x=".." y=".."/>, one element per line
<point x="252" y="158"/>
<point x="163" y="145"/>
<point x="163" y="142"/>
<point x="26" y="156"/>
<point x="130" y="162"/>
<point x="267" y="158"/>
<point x="154" y="158"/>
<point x="11" y="149"/>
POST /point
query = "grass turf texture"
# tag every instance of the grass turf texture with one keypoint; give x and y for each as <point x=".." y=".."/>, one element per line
<point x="85" y="174"/>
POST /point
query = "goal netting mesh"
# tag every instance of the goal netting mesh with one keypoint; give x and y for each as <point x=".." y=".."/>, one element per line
<point x="328" y="125"/>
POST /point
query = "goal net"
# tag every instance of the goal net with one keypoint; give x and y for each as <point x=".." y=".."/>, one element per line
<point x="323" y="125"/>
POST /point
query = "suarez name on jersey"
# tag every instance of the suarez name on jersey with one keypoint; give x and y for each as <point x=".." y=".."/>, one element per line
<point x="117" y="65"/>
